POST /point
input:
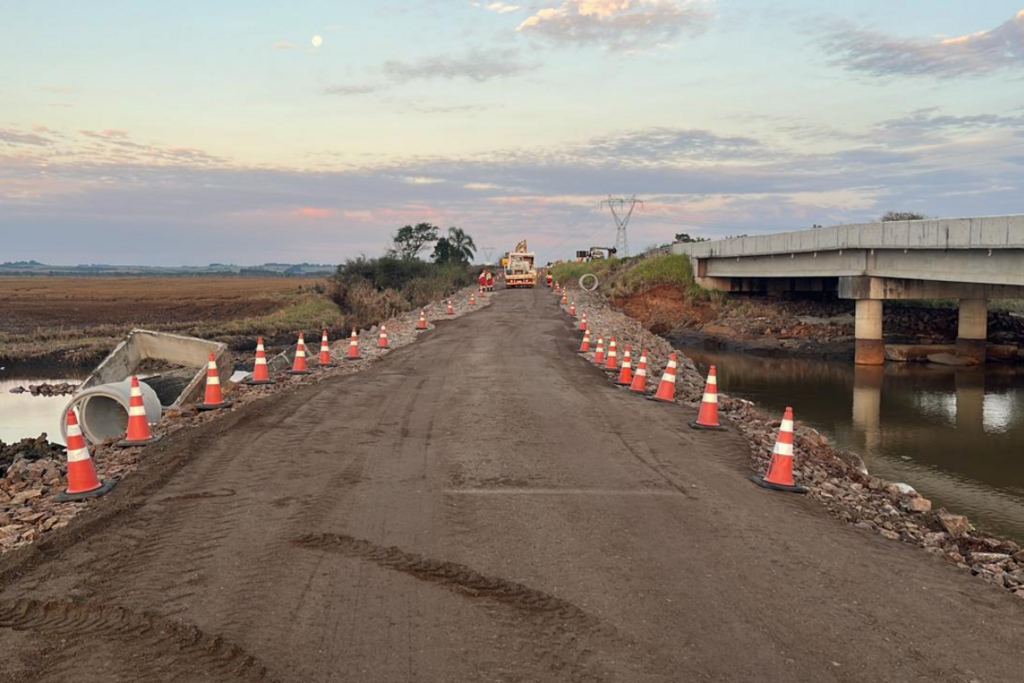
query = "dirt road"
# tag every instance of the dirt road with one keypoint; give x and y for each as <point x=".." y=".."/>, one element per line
<point x="482" y="506"/>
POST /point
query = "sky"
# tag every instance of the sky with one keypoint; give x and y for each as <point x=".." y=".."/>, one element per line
<point x="191" y="132"/>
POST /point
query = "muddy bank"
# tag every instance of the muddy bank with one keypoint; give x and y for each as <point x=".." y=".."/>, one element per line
<point x="894" y="511"/>
<point x="799" y="328"/>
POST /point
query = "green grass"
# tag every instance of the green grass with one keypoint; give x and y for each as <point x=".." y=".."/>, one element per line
<point x="623" y="277"/>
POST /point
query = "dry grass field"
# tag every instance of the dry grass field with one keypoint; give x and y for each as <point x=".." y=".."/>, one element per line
<point x="75" y="320"/>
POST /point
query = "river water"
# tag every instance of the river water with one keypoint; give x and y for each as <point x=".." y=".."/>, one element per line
<point x="954" y="434"/>
<point x="26" y="416"/>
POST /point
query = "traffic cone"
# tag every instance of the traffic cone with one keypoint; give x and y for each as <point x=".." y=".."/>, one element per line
<point x="780" y="467"/>
<point x="82" y="479"/>
<point x="421" y="324"/>
<point x="138" y="424"/>
<point x="565" y="299"/>
<point x="353" y="347"/>
<point x="450" y="310"/>
<point x="599" y="353"/>
<point x="626" y="371"/>
<point x="472" y="299"/>
<point x="557" y="287"/>
<point x="482" y="292"/>
<point x="639" y="384"/>
<point x="585" y="345"/>
<point x="213" y="399"/>
<point x="382" y="338"/>
<point x="612" y="361"/>
<point x="667" y="387"/>
<point x="325" y="350"/>
<point x="707" y="416"/>
<point x="299" y="364"/>
<point x="259" y="369"/>
<point x="572" y="309"/>
<point x="583" y="322"/>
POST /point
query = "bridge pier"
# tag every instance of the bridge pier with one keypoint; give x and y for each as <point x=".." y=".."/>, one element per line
<point x="972" y="330"/>
<point x="869" y="347"/>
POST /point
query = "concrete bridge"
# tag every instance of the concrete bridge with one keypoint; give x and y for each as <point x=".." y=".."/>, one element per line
<point x="968" y="259"/>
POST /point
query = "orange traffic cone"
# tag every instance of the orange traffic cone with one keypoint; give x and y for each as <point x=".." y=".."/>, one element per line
<point x="353" y="347"/>
<point x="626" y="371"/>
<point x="572" y="308"/>
<point x="382" y="338"/>
<point x="450" y="310"/>
<point x="639" y="384"/>
<point x="299" y="364"/>
<point x="565" y="298"/>
<point x="260" y="375"/>
<point x="482" y="294"/>
<point x="585" y="346"/>
<point x="583" y="322"/>
<point x="557" y="287"/>
<point x="325" y="350"/>
<point x="421" y="324"/>
<point x="667" y="387"/>
<point x="213" y="399"/>
<point x="82" y="479"/>
<point x="472" y="299"/>
<point x="780" y="467"/>
<point x="612" y="356"/>
<point x="707" y="416"/>
<point x="138" y="424"/>
<point x="599" y="353"/>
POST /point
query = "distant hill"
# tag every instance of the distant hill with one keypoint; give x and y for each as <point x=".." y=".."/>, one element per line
<point x="266" y="269"/>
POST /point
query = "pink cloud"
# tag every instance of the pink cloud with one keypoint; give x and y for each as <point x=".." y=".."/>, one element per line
<point x="313" y="212"/>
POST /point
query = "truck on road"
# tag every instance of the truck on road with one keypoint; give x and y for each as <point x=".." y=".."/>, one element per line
<point x="519" y="268"/>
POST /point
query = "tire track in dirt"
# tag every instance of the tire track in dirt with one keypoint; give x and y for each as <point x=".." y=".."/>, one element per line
<point x="82" y="622"/>
<point x="569" y="638"/>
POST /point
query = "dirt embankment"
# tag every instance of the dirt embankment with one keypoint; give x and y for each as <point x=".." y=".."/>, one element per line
<point x="799" y="327"/>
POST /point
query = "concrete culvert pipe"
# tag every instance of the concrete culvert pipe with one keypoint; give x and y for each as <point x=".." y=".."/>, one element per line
<point x="103" y="410"/>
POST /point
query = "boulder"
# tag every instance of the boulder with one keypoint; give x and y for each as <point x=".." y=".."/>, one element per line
<point x="956" y="526"/>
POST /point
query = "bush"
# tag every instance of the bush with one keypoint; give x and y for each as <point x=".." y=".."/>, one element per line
<point x="372" y="290"/>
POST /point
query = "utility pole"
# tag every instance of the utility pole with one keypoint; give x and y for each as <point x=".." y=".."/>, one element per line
<point x="621" y="214"/>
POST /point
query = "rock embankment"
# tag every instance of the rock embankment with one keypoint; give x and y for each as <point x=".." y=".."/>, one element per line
<point x="894" y="511"/>
<point x="33" y="471"/>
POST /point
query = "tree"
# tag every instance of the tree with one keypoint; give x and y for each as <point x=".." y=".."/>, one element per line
<point x="685" y="238"/>
<point x="409" y="240"/>
<point x="462" y="246"/>
<point x="902" y="216"/>
<point x="443" y="251"/>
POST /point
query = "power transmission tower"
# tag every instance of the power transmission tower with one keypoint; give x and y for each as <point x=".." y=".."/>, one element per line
<point x="488" y="251"/>
<point x="622" y="215"/>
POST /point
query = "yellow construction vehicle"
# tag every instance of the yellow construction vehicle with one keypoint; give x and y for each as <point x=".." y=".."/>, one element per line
<point x="519" y="269"/>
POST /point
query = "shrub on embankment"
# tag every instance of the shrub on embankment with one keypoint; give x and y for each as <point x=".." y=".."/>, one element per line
<point x="368" y="290"/>
<point x="628" y="276"/>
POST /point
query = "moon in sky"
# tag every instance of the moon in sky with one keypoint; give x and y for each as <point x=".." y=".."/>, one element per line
<point x="317" y="41"/>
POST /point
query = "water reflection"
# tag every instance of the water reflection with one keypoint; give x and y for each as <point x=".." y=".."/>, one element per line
<point x="955" y="434"/>
<point x="26" y="416"/>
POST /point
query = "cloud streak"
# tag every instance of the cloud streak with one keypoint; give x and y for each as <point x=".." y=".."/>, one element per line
<point x="475" y="65"/>
<point x="879" y="54"/>
<point x="617" y="25"/>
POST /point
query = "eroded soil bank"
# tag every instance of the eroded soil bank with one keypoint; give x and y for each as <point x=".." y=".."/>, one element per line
<point x="804" y="328"/>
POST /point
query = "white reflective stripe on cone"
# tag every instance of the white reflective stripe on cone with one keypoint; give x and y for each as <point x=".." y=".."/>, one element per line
<point x="261" y="361"/>
<point x="213" y="379"/>
<point x="710" y="398"/>
<point x="784" y="449"/>
<point x="135" y="411"/>
<point x="78" y="455"/>
<point x="712" y="380"/>
<point x="786" y="426"/>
